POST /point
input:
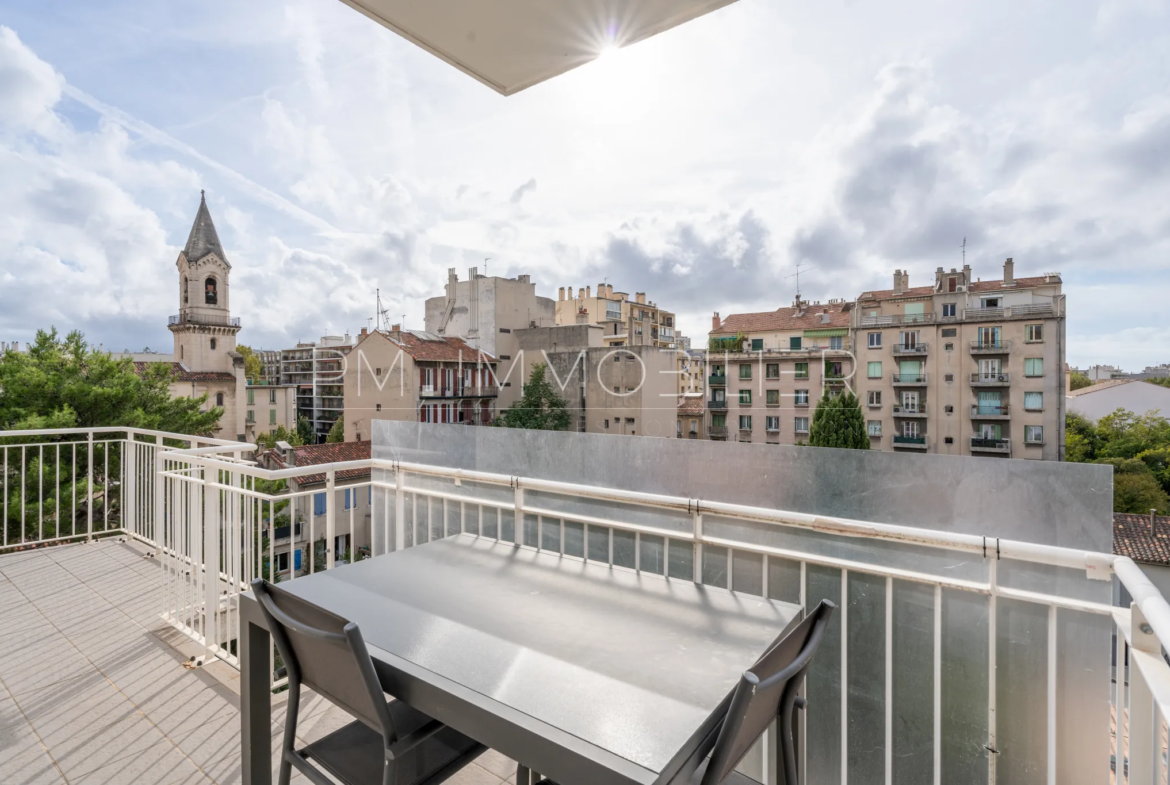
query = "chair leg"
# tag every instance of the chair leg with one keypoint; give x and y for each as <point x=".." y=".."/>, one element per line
<point x="290" y="734"/>
<point x="523" y="775"/>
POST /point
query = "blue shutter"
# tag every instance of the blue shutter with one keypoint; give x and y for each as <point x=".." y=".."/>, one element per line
<point x="319" y="504"/>
<point x="297" y="559"/>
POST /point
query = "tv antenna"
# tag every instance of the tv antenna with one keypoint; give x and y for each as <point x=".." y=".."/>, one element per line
<point x="964" y="247"/>
<point x="796" y="275"/>
<point x="383" y="318"/>
<point x="485" y="261"/>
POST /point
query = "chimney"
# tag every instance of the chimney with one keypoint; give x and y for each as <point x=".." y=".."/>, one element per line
<point x="580" y="293"/>
<point x="396" y="328"/>
<point x="897" y="281"/>
<point x="561" y="294"/>
<point x="609" y="290"/>
<point x="905" y="280"/>
<point x="1009" y="272"/>
<point x="365" y="332"/>
<point x="966" y="275"/>
<point x="589" y="291"/>
<point x="640" y="298"/>
<point x="715" y="321"/>
<point x="938" y="276"/>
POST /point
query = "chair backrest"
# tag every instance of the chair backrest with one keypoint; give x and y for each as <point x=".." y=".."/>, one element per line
<point x="325" y="652"/>
<point x="764" y="691"/>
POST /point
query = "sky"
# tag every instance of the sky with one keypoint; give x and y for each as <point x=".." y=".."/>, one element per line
<point x="701" y="166"/>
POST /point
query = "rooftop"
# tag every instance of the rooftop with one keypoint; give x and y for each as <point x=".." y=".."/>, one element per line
<point x="1143" y="538"/>
<point x="806" y="317"/>
<point x="180" y="372"/>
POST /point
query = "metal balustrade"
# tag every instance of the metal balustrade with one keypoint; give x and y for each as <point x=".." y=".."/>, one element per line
<point x="911" y="600"/>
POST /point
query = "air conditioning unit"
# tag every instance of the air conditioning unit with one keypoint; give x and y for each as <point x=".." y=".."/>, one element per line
<point x="1002" y="378"/>
<point x="961" y="288"/>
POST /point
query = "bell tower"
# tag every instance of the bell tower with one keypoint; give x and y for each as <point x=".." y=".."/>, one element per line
<point x="204" y="330"/>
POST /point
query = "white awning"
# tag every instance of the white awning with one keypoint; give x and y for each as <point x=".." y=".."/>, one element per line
<point x="513" y="44"/>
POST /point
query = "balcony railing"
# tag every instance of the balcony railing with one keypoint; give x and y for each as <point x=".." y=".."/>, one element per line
<point x="717" y="431"/>
<point x="997" y="379"/>
<point x="985" y="444"/>
<point x="892" y="319"/>
<point x="916" y="410"/>
<point x="211" y="321"/>
<point x="910" y="349"/>
<point x="991" y="347"/>
<point x="986" y="412"/>
<point x="913" y="442"/>
<point x="718" y="405"/>
<point x="991" y="631"/>
<point x="717" y="380"/>
<point x="909" y="379"/>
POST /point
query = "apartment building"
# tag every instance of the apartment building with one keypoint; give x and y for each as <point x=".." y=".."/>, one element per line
<point x="317" y="370"/>
<point x="419" y="376"/>
<point x="626" y="390"/>
<point x="767" y="370"/>
<point x="691" y="423"/>
<point x="963" y="366"/>
<point x="268" y="407"/>
<point x="692" y="370"/>
<point x="626" y="322"/>
<point x="486" y="312"/>
<point x="269" y="365"/>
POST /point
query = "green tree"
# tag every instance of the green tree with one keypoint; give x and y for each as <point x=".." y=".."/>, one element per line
<point x="252" y="366"/>
<point x="1078" y="380"/>
<point x="1081" y="440"/>
<point x="279" y="434"/>
<point x="539" y="408"/>
<point x="336" y="431"/>
<point x="1161" y="381"/>
<point x="1135" y="489"/>
<point x="1158" y="462"/>
<point x="305" y="430"/>
<point x="838" y="422"/>
<point x="1124" y="434"/>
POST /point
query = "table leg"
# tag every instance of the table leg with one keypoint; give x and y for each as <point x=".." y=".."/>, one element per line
<point x="255" y="705"/>
<point x="523" y="776"/>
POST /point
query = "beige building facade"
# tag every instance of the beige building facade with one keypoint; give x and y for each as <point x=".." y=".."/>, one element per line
<point x="268" y="407"/>
<point x="417" y="376"/>
<point x="964" y="366"/>
<point x="625" y="321"/>
<point x="766" y="371"/>
<point x="486" y="312"/>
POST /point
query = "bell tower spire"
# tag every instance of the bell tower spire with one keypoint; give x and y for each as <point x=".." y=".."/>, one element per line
<point x="204" y="330"/>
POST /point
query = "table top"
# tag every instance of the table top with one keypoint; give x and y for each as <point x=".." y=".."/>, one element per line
<point x="628" y="662"/>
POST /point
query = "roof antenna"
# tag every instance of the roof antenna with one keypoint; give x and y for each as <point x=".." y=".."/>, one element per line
<point x="796" y="275"/>
<point x="383" y="317"/>
<point x="485" y="261"/>
<point x="964" y="247"/>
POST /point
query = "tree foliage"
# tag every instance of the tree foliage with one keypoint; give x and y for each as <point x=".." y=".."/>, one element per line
<point x="1138" y="449"/>
<point x="1161" y="381"/>
<point x="305" y="431"/>
<point x="539" y="408"/>
<point x="336" y="431"/>
<point x="1079" y="381"/>
<point x="838" y="422"/>
<point x="253" y="368"/>
<point x="279" y="434"/>
<point x="65" y="383"/>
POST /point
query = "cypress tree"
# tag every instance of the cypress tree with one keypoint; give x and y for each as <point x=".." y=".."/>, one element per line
<point x="839" y="422"/>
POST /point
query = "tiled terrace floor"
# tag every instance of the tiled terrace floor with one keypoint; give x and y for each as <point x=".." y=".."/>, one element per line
<point x="93" y="688"/>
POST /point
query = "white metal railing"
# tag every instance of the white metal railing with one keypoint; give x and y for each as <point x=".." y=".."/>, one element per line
<point x="212" y="516"/>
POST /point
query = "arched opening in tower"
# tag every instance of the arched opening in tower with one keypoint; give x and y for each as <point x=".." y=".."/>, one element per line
<point x="210" y="296"/>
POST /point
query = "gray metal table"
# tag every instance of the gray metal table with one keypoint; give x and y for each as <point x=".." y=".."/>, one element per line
<point x="585" y="673"/>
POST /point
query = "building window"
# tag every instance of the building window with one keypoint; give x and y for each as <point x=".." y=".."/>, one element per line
<point x="251" y="397"/>
<point x="801" y="425"/>
<point x="717" y="420"/>
<point x="251" y="416"/>
<point x="874" y="427"/>
<point x="834" y="370"/>
<point x="629" y="421"/>
<point x="617" y="358"/>
<point x="874" y="370"/>
<point x="836" y="342"/>
<point x="210" y="297"/>
<point x="794" y="343"/>
<point x="875" y="397"/>
<point x="745" y="370"/>
<point x="272" y="416"/>
<point x="505" y="357"/>
<point x="772" y="424"/>
<point x="745" y="422"/>
<point x="1034" y="434"/>
<point x="949" y="409"/>
<point x="773" y="397"/>
<point x="950" y="347"/>
<point x="949" y="377"/>
<point x="948" y="308"/>
<point x="745" y="397"/>
<point x="772" y="371"/>
<point x="607" y="423"/>
<point x="219" y="399"/>
<point x="350" y="499"/>
<point x="875" y="340"/>
<point x="802" y="397"/>
<point x="950" y="332"/>
<point x="1034" y="401"/>
<point x="319" y="504"/>
<point x="949" y="440"/>
<point x="272" y="396"/>
<point x="505" y="329"/>
<point x="1034" y="366"/>
<point x="757" y="344"/>
<point x="213" y="344"/>
<point x="678" y="427"/>
<point x="1033" y="333"/>
<point x="377" y="407"/>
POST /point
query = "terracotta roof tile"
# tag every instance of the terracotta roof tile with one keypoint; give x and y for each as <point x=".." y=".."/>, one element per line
<point x="1132" y="538"/>
<point x="180" y="373"/>
<point x="690" y="405"/>
<point x="786" y="319"/>
<point x="445" y="349"/>
<point x="317" y="454"/>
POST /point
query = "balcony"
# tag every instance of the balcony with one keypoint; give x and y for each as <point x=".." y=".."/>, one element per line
<point x="1022" y="311"/>
<point x="991" y="347"/>
<point x="984" y="444"/>
<point x="429" y="391"/>
<point x="909" y="411"/>
<point x="910" y="349"/>
<point x="717" y="431"/>
<point x="897" y="319"/>
<point x="720" y="406"/>
<point x="99" y="692"/>
<point x="991" y="379"/>
<point x="985" y="412"/>
<point x="908" y="379"/>
<point x="717" y="380"/>
<point x="206" y="320"/>
<point x="910" y="442"/>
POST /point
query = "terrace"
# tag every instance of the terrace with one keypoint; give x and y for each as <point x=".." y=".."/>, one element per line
<point x="965" y="652"/>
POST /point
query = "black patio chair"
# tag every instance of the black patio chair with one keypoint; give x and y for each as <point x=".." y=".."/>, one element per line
<point x="764" y="693"/>
<point x="389" y="743"/>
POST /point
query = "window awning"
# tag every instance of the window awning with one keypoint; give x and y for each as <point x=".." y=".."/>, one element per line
<point x="510" y="45"/>
<point x="832" y="333"/>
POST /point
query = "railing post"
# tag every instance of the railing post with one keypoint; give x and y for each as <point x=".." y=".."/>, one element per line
<point x="518" y="502"/>
<point x="88" y="490"/>
<point x="399" y="508"/>
<point x="697" y="543"/>
<point x="210" y="565"/>
<point x="130" y="487"/>
<point x="330" y="515"/>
